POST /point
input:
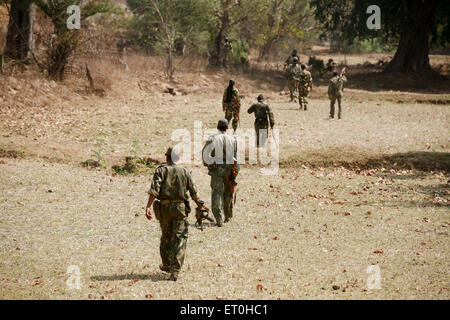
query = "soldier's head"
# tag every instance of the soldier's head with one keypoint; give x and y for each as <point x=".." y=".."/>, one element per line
<point x="303" y="66"/>
<point x="335" y="73"/>
<point x="231" y="83"/>
<point x="260" y="98"/>
<point x="294" y="52"/>
<point x="222" y="125"/>
<point x="172" y="155"/>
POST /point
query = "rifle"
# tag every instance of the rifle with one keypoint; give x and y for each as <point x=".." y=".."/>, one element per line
<point x="342" y="72"/>
<point x="201" y="213"/>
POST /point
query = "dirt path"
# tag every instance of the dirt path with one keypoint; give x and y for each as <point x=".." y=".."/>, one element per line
<point x="306" y="232"/>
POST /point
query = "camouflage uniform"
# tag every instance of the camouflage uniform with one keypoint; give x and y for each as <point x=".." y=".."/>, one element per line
<point x="262" y="111"/>
<point x="335" y="92"/>
<point x="293" y="72"/>
<point x="220" y="169"/>
<point x="304" y="85"/>
<point x="232" y="108"/>
<point x="171" y="184"/>
<point x="291" y="58"/>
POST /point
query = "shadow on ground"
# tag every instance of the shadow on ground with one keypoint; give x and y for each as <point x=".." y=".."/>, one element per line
<point x="157" y="276"/>
<point x="354" y="158"/>
<point x="359" y="78"/>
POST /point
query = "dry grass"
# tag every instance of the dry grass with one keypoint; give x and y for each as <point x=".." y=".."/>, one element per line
<point x="297" y="234"/>
<point x="313" y="225"/>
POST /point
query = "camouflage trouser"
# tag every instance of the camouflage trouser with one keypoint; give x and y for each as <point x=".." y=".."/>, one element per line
<point x="332" y="102"/>
<point x="174" y="227"/>
<point x="232" y="113"/>
<point x="292" y="84"/>
<point x="221" y="197"/>
<point x="303" y="93"/>
<point x="262" y="132"/>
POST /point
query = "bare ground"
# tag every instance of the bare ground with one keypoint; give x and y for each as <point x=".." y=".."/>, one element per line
<point x="370" y="189"/>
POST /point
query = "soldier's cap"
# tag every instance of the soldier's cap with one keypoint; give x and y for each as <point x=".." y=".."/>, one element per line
<point x="223" y="123"/>
<point x="260" y="97"/>
<point x="294" y="51"/>
<point x="173" y="153"/>
<point x="303" y="66"/>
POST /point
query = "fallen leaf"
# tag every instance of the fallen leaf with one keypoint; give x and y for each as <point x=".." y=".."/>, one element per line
<point x="378" y="251"/>
<point x="149" y="296"/>
<point x="259" y="287"/>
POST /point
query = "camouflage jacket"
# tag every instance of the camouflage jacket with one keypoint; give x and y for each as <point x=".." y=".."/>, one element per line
<point x="173" y="182"/>
<point x="235" y="103"/>
<point x="305" y="78"/>
<point x="290" y="59"/>
<point x="219" y="154"/>
<point x="293" y="72"/>
<point x="261" y="111"/>
<point x="336" y="86"/>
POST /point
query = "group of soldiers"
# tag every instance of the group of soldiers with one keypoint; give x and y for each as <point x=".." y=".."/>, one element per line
<point x="300" y="84"/>
<point x="172" y="184"/>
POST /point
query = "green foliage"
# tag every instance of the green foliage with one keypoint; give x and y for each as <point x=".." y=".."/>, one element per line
<point x="186" y="20"/>
<point x="317" y="65"/>
<point x="273" y="21"/>
<point x="66" y="42"/>
<point x="376" y="45"/>
<point x="350" y="17"/>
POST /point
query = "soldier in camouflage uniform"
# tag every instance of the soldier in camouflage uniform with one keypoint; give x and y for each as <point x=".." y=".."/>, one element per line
<point x="231" y="104"/>
<point x="291" y="58"/>
<point x="293" y="72"/>
<point x="170" y="186"/>
<point x="304" y="85"/>
<point x="262" y="111"/>
<point x="220" y="156"/>
<point x="336" y="92"/>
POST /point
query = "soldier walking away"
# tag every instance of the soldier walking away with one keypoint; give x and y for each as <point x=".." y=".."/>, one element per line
<point x="336" y="92"/>
<point x="293" y="74"/>
<point x="231" y="104"/>
<point x="304" y="86"/>
<point x="220" y="156"/>
<point x="291" y="58"/>
<point x="287" y="65"/>
<point x="263" y="117"/>
<point x="169" y="197"/>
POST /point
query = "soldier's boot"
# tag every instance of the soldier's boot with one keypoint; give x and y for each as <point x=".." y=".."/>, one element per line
<point x="164" y="268"/>
<point x="306" y="105"/>
<point x="227" y="219"/>
<point x="173" y="276"/>
<point x="219" y="223"/>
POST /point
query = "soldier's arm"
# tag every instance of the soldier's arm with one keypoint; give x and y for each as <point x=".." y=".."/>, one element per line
<point x="208" y="142"/>
<point x="223" y="100"/>
<point x="271" y="118"/>
<point x="154" y="191"/>
<point x="192" y="188"/>
<point x="251" y="109"/>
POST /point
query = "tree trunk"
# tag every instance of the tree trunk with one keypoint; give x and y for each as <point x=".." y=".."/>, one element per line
<point x="411" y="56"/>
<point x="19" y="30"/>
<point x="221" y="50"/>
<point x="274" y="28"/>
